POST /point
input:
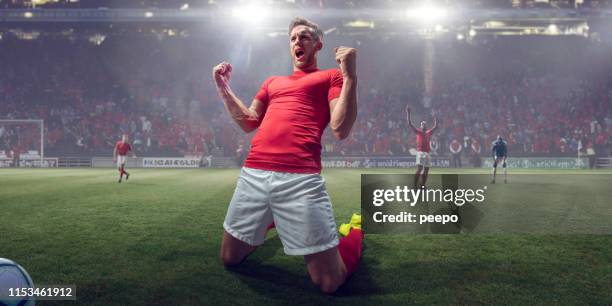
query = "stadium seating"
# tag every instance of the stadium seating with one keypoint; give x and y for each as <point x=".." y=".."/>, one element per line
<point x="170" y="107"/>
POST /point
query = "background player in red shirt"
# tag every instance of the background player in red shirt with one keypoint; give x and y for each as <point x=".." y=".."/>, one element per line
<point x="280" y="181"/>
<point x="120" y="152"/>
<point x="423" y="158"/>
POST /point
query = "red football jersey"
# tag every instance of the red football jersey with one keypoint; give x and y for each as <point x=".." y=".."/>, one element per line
<point x="297" y="112"/>
<point x="123" y="147"/>
<point x="422" y="138"/>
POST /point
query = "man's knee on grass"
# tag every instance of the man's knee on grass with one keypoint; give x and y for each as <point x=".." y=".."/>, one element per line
<point x="230" y="259"/>
<point x="234" y="251"/>
<point x="328" y="282"/>
<point x="326" y="270"/>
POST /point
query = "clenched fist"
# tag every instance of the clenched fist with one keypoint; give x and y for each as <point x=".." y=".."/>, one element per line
<point x="347" y="58"/>
<point x="222" y="74"/>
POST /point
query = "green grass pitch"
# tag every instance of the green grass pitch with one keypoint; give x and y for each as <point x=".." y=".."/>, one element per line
<point x="155" y="241"/>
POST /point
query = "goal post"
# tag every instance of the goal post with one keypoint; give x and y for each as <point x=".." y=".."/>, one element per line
<point x="6" y="126"/>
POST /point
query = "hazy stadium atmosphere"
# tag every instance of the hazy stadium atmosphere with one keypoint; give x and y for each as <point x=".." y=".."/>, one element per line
<point x="77" y="75"/>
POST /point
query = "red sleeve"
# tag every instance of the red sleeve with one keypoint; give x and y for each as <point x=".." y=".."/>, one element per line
<point x="335" y="86"/>
<point x="263" y="93"/>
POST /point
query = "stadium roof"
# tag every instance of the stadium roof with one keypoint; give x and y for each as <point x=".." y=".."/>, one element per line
<point x="426" y="18"/>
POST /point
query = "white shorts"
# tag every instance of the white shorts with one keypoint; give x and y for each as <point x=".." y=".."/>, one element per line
<point x="297" y="203"/>
<point x="423" y="159"/>
<point x="120" y="160"/>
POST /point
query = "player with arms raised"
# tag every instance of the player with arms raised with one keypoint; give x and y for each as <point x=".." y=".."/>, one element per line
<point x="423" y="158"/>
<point x="122" y="148"/>
<point x="280" y="181"/>
<point x="500" y="153"/>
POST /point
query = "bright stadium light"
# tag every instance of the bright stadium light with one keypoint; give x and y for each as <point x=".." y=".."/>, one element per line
<point x="472" y="32"/>
<point x="251" y="13"/>
<point x="553" y="29"/>
<point x="360" y="24"/>
<point x="41" y="2"/>
<point x="28" y="14"/>
<point x="149" y="14"/>
<point x="426" y="13"/>
<point x="97" y="39"/>
<point x="185" y="7"/>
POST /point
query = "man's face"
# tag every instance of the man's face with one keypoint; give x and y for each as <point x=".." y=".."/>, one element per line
<point x="125" y="138"/>
<point x="423" y="124"/>
<point x="303" y="47"/>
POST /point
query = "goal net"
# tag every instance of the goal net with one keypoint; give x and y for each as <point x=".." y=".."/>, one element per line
<point x="22" y="144"/>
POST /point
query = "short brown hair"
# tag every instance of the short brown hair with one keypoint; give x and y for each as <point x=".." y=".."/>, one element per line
<point x="316" y="32"/>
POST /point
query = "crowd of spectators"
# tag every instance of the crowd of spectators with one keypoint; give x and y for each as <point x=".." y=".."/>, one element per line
<point x="89" y="95"/>
<point x="531" y="118"/>
<point x="160" y="93"/>
<point x="534" y="94"/>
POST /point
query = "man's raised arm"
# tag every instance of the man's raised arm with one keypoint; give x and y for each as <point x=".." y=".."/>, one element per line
<point x="435" y="124"/>
<point x="343" y="110"/>
<point x="409" y="120"/>
<point x="247" y="118"/>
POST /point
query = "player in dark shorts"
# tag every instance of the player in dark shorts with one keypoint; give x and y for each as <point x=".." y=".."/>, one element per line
<point x="500" y="153"/>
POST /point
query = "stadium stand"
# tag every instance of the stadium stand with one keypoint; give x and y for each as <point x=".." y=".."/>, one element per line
<point x="159" y="91"/>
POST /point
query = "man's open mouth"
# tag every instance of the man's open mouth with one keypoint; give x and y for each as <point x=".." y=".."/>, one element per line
<point x="299" y="54"/>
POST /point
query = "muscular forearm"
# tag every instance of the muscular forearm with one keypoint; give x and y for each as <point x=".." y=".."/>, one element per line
<point x="247" y="119"/>
<point x="344" y="112"/>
